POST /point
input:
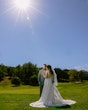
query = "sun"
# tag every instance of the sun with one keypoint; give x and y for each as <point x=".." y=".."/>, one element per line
<point x="23" y="10"/>
<point x="22" y="4"/>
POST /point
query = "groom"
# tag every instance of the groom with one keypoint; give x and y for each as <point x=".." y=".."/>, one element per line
<point x="41" y="78"/>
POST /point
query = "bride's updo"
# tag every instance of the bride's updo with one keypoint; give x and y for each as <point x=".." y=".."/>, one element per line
<point x="50" y="69"/>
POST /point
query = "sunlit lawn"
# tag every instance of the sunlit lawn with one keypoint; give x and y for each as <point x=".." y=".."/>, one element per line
<point x="18" y="98"/>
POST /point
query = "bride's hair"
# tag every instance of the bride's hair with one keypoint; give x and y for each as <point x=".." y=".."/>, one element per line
<point x="50" y="69"/>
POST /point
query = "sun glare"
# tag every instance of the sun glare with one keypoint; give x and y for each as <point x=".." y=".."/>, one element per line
<point x="22" y="4"/>
<point x="23" y="10"/>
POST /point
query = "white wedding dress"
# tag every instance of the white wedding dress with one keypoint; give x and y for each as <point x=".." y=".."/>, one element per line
<point x="50" y="96"/>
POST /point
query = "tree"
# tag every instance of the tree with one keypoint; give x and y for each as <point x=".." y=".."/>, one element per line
<point x="27" y="70"/>
<point x="1" y="75"/>
<point x="17" y="71"/>
<point x="16" y="81"/>
<point x="3" y="68"/>
<point x="62" y="75"/>
<point x="34" y="80"/>
<point x="83" y="75"/>
<point x="73" y="75"/>
<point x="10" y="71"/>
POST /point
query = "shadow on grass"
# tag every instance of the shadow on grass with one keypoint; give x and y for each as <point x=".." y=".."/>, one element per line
<point x="61" y="107"/>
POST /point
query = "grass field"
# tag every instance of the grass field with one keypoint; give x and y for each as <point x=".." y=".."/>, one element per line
<point x="18" y="98"/>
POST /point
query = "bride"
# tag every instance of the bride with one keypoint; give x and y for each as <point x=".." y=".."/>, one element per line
<point x="50" y="95"/>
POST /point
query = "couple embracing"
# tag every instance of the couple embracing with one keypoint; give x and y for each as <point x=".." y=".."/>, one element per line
<point x="49" y="94"/>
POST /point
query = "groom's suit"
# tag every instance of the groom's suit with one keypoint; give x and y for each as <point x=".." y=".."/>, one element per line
<point x="41" y="80"/>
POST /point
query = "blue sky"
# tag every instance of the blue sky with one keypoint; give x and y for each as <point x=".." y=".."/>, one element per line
<point x="56" y="34"/>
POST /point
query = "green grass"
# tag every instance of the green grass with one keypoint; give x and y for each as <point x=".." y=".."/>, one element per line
<point x="18" y="98"/>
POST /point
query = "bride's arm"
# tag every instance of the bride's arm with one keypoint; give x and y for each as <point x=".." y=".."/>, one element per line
<point x="47" y="74"/>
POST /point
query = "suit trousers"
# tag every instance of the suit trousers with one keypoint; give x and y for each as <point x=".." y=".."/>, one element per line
<point x="41" y="88"/>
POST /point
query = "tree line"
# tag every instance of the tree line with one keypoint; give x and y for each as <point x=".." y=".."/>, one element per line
<point x="27" y="74"/>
